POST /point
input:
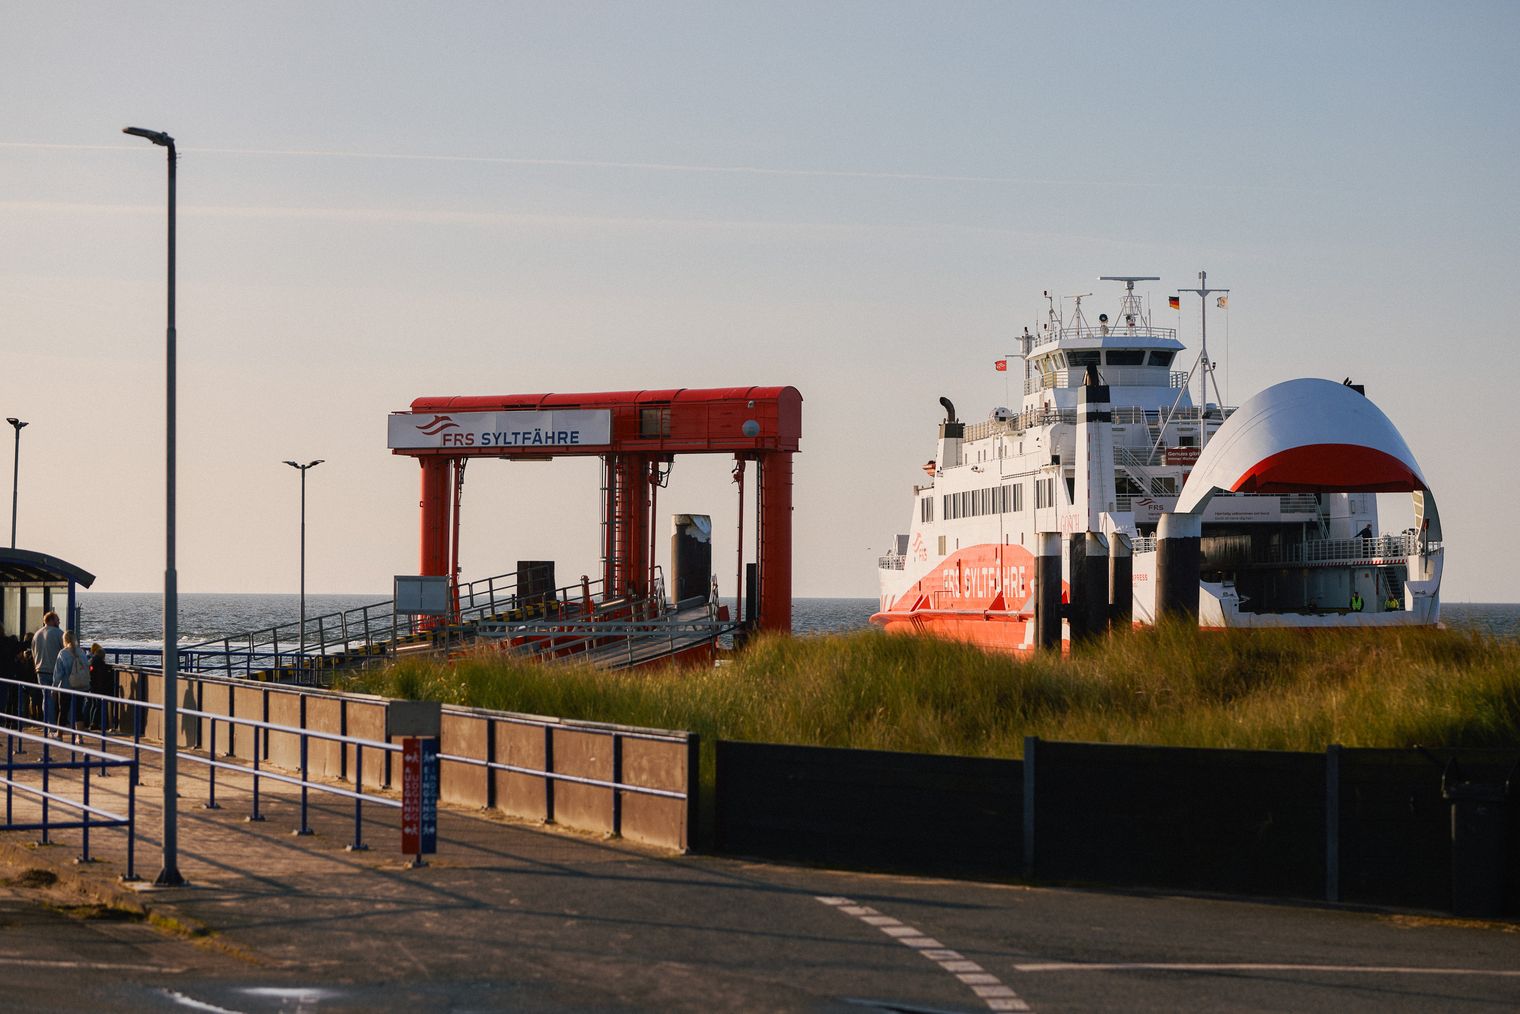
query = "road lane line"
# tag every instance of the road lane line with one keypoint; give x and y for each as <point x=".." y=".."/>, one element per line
<point x="91" y="966"/>
<point x="1195" y="966"/>
<point x="987" y="987"/>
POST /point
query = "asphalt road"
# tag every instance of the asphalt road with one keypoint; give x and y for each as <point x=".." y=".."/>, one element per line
<point x="557" y="923"/>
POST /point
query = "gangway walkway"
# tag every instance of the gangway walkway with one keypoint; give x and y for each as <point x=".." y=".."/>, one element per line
<point x="507" y="609"/>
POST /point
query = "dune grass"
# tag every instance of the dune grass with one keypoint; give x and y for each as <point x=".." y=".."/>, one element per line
<point x="1174" y="685"/>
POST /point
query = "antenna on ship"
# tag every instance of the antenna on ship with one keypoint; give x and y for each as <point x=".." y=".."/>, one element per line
<point x="1078" y="321"/>
<point x="1203" y="291"/>
<point x="1130" y="310"/>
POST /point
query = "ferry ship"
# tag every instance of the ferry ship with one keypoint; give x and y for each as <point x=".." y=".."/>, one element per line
<point x="1109" y="443"/>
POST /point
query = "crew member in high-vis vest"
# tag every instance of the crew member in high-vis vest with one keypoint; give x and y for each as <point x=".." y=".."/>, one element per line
<point x="1356" y="601"/>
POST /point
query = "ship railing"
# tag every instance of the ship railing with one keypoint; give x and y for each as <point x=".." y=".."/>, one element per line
<point x="1145" y="457"/>
<point x="1289" y="503"/>
<point x="1378" y="547"/>
<point x="891" y="561"/>
<point x="1018" y="422"/>
<point x="1114" y="376"/>
<point x="1104" y="331"/>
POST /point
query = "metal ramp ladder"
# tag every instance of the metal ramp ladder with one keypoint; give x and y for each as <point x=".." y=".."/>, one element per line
<point x="365" y="635"/>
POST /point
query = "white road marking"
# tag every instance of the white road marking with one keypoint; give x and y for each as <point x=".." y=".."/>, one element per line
<point x="1178" y="966"/>
<point x="988" y="987"/>
<point x="94" y="966"/>
<point x="194" y="1004"/>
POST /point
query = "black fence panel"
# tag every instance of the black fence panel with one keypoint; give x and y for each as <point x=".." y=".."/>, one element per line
<point x="870" y="809"/>
<point x="1395" y="826"/>
<point x="1251" y="822"/>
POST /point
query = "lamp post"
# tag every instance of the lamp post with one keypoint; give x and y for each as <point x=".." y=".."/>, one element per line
<point x="169" y="875"/>
<point x="302" y="469"/>
<point x="15" y="475"/>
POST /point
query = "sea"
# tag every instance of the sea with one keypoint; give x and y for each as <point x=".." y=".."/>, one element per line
<point x="135" y="619"/>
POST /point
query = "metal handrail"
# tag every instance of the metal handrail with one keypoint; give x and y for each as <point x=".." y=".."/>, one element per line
<point x="104" y="818"/>
<point x="357" y="633"/>
<point x="306" y="784"/>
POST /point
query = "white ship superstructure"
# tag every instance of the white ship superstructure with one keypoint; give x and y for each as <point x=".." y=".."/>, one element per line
<point x="1285" y="488"/>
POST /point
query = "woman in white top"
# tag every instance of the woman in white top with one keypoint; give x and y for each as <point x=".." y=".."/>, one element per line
<point x="72" y="671"/>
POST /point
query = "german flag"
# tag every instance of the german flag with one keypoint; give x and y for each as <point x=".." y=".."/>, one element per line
<point x="1175" y="302"/>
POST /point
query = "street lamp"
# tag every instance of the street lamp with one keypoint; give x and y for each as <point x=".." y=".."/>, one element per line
<point x="169" y="875"/>
<point x="15" y="475"/>
<point x="302" y="469"/>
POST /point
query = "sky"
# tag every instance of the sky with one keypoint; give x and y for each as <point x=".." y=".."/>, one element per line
<point x="380" y="201"/>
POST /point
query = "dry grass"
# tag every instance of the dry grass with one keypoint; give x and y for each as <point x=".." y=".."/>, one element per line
<point x="1287" y="690"/>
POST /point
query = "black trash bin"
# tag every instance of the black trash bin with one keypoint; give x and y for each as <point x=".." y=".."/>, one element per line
<point x="1478" y="816"/>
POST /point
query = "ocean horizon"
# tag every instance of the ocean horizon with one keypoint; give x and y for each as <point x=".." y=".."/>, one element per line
<point x="135" y="619"/>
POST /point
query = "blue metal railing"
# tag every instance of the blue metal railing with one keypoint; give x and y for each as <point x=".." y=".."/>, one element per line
<point x="80" y="758"/>
<point x="132" y="712"/>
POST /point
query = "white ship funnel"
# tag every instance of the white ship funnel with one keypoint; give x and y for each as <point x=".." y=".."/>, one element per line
<point x="1095" y="452"/>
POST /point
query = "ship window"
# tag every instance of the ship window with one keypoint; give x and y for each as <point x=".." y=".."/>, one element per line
<point x="1078" y="358"/>
<point x="1071" y="490"/>
<point x="1162" y="357"/>
<point x="941" y="545"/>
<point x="1165" y="485"/>
<point x="926" y="509"/>
<point x="1126" y="357"/>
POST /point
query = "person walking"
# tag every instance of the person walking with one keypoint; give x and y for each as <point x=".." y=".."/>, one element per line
<point x="10" y="693"/>
<point x="102" y="682"/>
<point x="47" y="642"/>
<point x="71" y="671"/>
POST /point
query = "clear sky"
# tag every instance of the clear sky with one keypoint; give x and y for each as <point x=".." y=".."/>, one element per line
<point x="865" y="200"/>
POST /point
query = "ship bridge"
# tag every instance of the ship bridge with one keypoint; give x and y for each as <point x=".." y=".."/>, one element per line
<point x="1126" y="350"/>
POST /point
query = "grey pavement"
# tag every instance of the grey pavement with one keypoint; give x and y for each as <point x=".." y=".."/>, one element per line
<point x="513" y="916"/>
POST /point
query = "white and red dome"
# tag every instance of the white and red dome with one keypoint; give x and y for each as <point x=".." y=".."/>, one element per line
<point x="1304" y="436"/>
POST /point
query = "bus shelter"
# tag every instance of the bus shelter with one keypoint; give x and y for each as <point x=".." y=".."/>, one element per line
<point x="33" y="583"/>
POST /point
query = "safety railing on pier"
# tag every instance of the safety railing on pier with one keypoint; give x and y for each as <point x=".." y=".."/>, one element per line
<point x="364" y="634"/>
<point x="612" y="643"/>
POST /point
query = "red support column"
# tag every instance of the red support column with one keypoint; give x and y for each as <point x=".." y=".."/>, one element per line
<point x="610" y="510"/>
<point x="775" y="553"/>
<point x="633" y="524"/>
<point x="434" y="543"/>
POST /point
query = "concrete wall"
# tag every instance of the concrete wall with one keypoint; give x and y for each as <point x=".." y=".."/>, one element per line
<point x="541" y="746"/>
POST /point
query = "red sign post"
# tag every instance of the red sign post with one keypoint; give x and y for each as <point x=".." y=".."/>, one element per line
<point x="419" y="797"/>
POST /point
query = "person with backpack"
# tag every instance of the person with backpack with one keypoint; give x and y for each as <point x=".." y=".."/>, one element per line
<point x="71" y="671"/>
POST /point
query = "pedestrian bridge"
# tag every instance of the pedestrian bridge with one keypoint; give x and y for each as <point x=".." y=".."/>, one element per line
<point x="515" y="613"/>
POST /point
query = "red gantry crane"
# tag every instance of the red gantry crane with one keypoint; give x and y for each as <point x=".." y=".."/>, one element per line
<point x="637" y="434"/>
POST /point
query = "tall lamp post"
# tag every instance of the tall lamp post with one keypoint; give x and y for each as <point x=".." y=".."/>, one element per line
<point x="302" y="469"/>
<point x="169" y="875"/>
<point x="15" y="475"/>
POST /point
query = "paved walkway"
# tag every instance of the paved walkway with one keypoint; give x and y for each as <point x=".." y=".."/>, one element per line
<point x="510" y="915"/>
